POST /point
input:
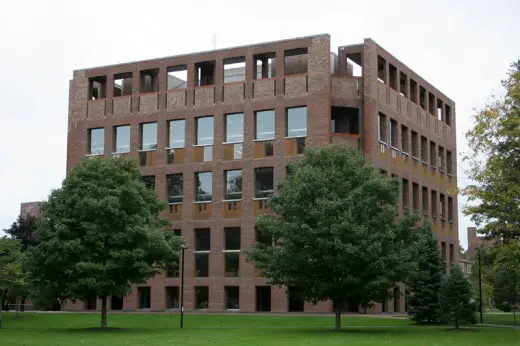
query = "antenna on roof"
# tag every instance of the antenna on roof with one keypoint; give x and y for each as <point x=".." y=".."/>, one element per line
<point x="215" y="41"/>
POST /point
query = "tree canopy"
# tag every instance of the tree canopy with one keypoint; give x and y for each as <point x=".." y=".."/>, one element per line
<point x="455" y="297"/>
<point x="100" y="233"/>
<point x="11" y="262"/>
<point x="494" y="164"/>
<point x="336" y="232"/>
<point x="24" y="229"/>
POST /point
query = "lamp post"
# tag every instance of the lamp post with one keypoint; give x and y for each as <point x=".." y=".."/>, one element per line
<point x="183" y="247"/>
<point x="480" y="286"/>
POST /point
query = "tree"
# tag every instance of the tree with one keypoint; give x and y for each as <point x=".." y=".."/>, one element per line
<point x="494" y="165"/>
<point x="11" y="261"/>
<point x="507" y="267"/>
<point x="335" y="230"/>
<point x="423" y="303"/>
<point x="100" y="233"/>
<point x="455" y="296"/>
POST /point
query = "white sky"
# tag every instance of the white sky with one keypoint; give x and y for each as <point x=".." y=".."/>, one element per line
<point x="462" y="47"/>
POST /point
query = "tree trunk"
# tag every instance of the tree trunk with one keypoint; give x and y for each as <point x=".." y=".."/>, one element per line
<point x="456" y="322"/>
<point x="338" y="318"/>
<point x="104" y="311"/>
<point x="22" y="303"/>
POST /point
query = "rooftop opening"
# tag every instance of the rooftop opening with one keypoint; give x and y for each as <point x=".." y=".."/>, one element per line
<point x="97" y="88"/>
<point x="295" y="61"/>
<point x="439" y="109"/>
<point x="264" y="65"/>
<point x="392" y="70"/>
<point x="413" y="91"/>
<point x="403" y="84"/>
<point x="123" y="84"/>
<point x="177" y="77"/>
<point x="205" y="73"/>
<point x="354" y="65"/>
<point x="149" y="81"/>
<point x="344" y="120"/>
<point x="431" y="102"/>
<point x="381" y="69"/>
<point x="235" y="69"/>
<point x="422" y="97"/>
<point x="448" y="115"/>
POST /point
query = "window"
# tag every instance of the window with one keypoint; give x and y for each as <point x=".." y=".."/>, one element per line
<point x="381" y="69"/>
<point x="175" y="186"/>
<point x="205" y="73"/>
<point x="122" y="139"/>
<point x="204" y="131"/>
<point x="440" y="162"/>
<point x="448" y="115"/>
<point x="431" y="103"/>
<point x="177" y="232"/>
<point x="176" y="133"/>
<point x="233" y="184"/>
<point x="413" y="91"/>
<point x="393" y="133"/>
<point x="232" y="238"/>
<point x="442" y="199"/>
<point x="297" y="122"/>
<point x="403" y="84"/>
<point x="264" y="182"/>
<point x="202" y="265"/>
<point x="392" y="72"/>
<point x="450" y="209"/>
<point x="406" y="193"/>
<point x="452" y="253"/>
<point x="263" y="238"/>
<point x="172" y="297"/>
<point x="434" y="204"/>
<point x="422" y="97"/>
<point x="204" y="191"/>
<point x="344" y="120"/>
<point x="449" y="162"/>
<point x="235" y="69"/>
<point x="415" y="196"/>
<point x="424" y="150"/>
<point x="172" y="271"/>
<point x="149" y="181"/>
<point x="439" y="109"/>
<point x="202" y="248"/>
<point x="202" y="239"/>
<point x="177" y="77"/>
<point x="405" y="147"/>
<point x="201" y="297"/>
<point x="144" y="297"/>
<point x="234" y="128"/>
<point x="232" y="297"/>
<point x="149" y="136"/>
<point x="295" y="61"/>
<point x="425" y="200"/>
<point x="96" y="139"/>
<point x="381" y="126"/>
<point x="232" y="260"/>
<point x="415" y="144"/>
<point x="123" y="84"/>
<point x="264" y="65"/>
<point x="149" y="81"/>
<point x="97" y="88"/>
<point x="433" y="155"/>
<point x="264" y="124"/>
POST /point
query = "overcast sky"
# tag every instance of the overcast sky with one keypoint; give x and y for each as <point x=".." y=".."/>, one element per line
<point x="461" y="47"/>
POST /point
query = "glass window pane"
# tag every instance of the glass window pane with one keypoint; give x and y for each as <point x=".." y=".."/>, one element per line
<point x="97" y="141"/>
<point x="297" y="122"/>
<point x="235" y="127"/>
<point x="234" y="184"/>
<point x="264" y="182"/>
<point x="232" y="297"/>
<point x="176" y="133"/>
<point x="205" y="131"/>
<point x="201" y="265"/>
<point x="204" y="181"/>
<point x="232" y="238"/>
<point x="122" y="139"/>
<point x="264" y="124"/>
<point x="149" y="136"/>
<point x="201" y="297"/>
<point x="174" y="188"/>
<point x="202" y="239"/>
<point x="149" y="181"/>
<point x="172" y="297"/>
<point x="232" y="264"/>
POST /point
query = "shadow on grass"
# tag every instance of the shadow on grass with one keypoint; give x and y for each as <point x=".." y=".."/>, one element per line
<point x="352" y="330"/>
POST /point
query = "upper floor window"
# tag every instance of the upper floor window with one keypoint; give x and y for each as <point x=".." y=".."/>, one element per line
<point x="235" y="69"/>
<point x="415" y="144"/>
<point x="433" y="156"/>
<point x="204" y="186"/>
<point x="449" y="162"/>
<point x="177" y="77"/>
<point x="393" y="133"/>
<point x="97" y="88"/>
<point x="149" y="136"/>
<point x="148" y="181"/>
<point x="96" y="139"/>
<point x="205" y="73"/>
<point x="149" y="81"/>
<point x="424" y="149"/>
<point x="297" y="122"/>
<point x="176" y="133"/>
<point x="264" y="124"/>
<point x="405" y="140"/>
<point x="174" y="192"/>
<point x="204" y="130"/>
<point x="264" y="182"/>
<point x="381" y="126"/>
<point x="233" y="184"/>
<point x="123" y="84"/>
<point x="295" y="61"/>
<point x="264" y="65"/>
<point x="235" y="127"/>
<point x="122" y="139"/>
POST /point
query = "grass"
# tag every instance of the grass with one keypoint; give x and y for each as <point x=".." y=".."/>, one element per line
<point x="502" y="318"/>
<point x="162" y="329"/>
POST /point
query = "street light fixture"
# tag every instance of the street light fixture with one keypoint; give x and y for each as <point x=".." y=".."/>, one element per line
<point x="183" y="247"/>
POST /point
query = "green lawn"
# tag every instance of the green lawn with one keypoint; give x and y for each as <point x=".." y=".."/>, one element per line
<point x="159" y="329"/>
<point x="503" y="318"/>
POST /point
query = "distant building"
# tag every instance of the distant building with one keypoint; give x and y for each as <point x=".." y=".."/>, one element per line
<point x="30" y="208"/>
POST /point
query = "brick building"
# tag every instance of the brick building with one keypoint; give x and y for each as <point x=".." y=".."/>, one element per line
<point x="214" y="131"/>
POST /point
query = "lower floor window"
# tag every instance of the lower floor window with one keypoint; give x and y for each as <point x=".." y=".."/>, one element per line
<point x="201" y="297"/>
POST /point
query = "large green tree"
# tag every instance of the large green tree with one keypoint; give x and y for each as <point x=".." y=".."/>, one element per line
<point x="336" y="232"/>
<point x="425" y="283"/>
<point x="494" y="164"/>
<point x="11" y="262"/>
<point x="100" y="233"/>
<point x="455" y="297"/>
